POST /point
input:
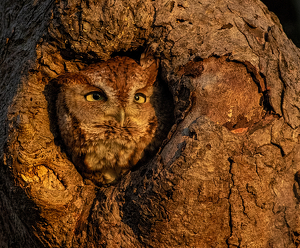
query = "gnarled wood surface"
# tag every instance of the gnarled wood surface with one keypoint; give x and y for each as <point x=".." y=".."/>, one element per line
<point x="228" y="174"/>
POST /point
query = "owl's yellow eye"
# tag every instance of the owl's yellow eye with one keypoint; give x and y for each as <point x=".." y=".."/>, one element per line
<point x="139" y="98"/>
<point x="95" y="96"/>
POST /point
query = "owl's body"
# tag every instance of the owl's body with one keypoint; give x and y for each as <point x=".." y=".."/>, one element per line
<point x="110" y="114"/>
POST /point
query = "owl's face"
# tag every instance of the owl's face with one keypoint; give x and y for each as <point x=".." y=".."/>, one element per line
<point x="107" y="115"/>
<point x="103" y="97"/>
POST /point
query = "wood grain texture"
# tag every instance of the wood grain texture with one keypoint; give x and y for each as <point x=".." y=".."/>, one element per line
<point x="227" y="176"/>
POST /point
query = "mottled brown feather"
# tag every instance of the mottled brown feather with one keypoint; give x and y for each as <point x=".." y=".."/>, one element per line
<point x="101" y="146"/>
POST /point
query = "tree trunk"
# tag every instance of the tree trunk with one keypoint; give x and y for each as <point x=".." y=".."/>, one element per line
<point x="227" y="176"/>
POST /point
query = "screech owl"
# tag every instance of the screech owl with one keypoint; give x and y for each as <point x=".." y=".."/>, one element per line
<point x="111" y="115"/>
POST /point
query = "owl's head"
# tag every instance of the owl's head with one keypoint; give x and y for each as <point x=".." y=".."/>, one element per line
<point x="113" y="93"/>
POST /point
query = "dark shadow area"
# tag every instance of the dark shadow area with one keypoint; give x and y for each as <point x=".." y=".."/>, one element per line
<point x="288" y="13"/>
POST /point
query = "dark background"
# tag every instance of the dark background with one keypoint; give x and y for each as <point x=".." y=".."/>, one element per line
<point x="288" y="12"/>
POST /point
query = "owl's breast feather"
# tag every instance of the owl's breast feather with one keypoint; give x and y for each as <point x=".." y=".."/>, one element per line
<point x="111" y="153"/>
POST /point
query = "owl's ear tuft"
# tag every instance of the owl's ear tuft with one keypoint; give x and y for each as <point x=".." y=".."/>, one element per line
<point x="148" y="59"/>
<point x="150" y="63"/>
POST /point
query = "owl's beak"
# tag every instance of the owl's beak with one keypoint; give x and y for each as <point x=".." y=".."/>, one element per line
<point x="121" y="117"/>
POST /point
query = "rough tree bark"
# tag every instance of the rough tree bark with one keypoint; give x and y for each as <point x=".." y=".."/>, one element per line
<point x="228" y="174"/>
